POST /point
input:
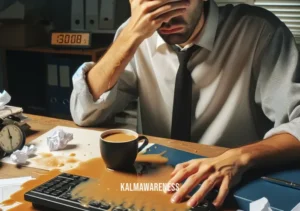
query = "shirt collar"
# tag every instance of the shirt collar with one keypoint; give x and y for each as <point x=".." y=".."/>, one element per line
<point x="207" y="35"/>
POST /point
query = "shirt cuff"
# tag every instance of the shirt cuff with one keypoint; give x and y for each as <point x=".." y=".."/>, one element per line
<point x="82" y="89"/>
<point x="291" y="127"/>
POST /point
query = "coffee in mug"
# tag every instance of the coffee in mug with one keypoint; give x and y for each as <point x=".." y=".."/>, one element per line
<point x="119" y="137"/>
<point x="119" y="148"/>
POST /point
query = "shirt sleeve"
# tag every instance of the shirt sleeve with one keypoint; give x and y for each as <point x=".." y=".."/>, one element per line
<point x="278" y="84"/>
<point x="87" y="111"/>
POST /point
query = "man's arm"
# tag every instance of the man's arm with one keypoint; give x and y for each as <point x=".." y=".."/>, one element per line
<point x="102" y="89"/>
<point x="278" y="93"/>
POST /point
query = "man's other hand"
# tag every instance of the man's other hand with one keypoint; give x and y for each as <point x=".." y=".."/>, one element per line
<point x="223" y="172"/>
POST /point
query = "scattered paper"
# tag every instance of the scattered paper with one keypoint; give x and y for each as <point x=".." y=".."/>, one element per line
<point x="297" y="208"/>
<point x="4" y="99"/>
<point x="10" y="186"/>
<point x="58" y="140"/>
<point x="264" y="205"/>
<point x="21" y="156"/>
<point x="260" y="205"/>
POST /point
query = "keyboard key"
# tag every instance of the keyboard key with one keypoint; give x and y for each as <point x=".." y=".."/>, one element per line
<point x="66" y="175"/>
<point x="55" y="193"/>
<point x="39" y="189"/>
<point x="95" y="203"/>
<point x="48" y="185"/>
<point x="51" y="189"/>
<point x="67" y="196"/>
<point x="83" y="179"/>
<point x="104" y="205"/>
<point x="46" y="192"/>
<point x="76" y="177"/>
<point x="73" y="184"/>
<point x="119" y="209"/>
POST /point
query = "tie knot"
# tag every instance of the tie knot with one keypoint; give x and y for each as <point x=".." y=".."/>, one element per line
<point x="184" y="56"/>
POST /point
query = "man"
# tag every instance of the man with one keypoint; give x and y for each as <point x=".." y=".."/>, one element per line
<point x="243" y="86"/>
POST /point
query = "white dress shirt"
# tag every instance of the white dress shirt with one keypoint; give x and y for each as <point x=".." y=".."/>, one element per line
<point x="245" y="81"/>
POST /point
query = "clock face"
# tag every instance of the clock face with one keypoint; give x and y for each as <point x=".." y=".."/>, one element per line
<point x="70" y="39"/>
<point x="11" y="138"/>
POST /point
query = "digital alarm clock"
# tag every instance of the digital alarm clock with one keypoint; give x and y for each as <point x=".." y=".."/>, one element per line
<point x="79" y="40"/>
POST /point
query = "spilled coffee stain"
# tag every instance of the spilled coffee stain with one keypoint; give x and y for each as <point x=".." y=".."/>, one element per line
<point x="153" y="158"/>
<point x="19" y="195"/>
<point x="72" y="160"/>
<point x="108" y="186"/>
<point x="120" y="188"/>
<point x="8" y="202"/>
<point x="45" y="154"/>
<point x="51" y="161"/>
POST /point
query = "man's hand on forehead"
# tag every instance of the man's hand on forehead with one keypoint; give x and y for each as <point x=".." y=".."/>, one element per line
<point x="148" y="15"/>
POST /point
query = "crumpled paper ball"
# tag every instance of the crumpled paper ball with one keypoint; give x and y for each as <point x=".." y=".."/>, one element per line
<point x="4" y="99"/>
<point x="21" y="156"/>
<point x="59" y="139"/>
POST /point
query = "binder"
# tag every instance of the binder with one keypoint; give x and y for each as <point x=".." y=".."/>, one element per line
<point x="107" y="14"/>
<point x="66" y="68"/>
<point x="92" y="15"/>
<point x="52" y="85"/>
<point x="77" y="15"/>
<point x="64" y="88"/>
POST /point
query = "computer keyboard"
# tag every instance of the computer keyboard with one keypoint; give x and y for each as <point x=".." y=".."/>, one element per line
<point x="55" y="194"/>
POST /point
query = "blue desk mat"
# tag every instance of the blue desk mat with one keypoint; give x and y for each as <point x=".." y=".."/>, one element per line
<point x="280" y="197"/>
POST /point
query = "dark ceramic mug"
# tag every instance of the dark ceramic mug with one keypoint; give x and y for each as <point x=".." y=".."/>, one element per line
<point x="120" y="155"/>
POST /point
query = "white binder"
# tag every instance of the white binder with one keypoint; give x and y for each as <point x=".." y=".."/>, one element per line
<point x="107" y="14"/>
<point x="77" y="15"/>
<point x="92" y="14"/>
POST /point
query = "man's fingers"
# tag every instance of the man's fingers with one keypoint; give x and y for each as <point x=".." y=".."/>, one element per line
<point x="169" y="15"/>
<point x="188" y="186"/>
<point x="205" y="188"/>
<point x="152" y="5"/>
<point x="169" y="7"/>
<point x="178" y="167"/>
<point x="223" y="191"/>
<point x="182" y="174"/>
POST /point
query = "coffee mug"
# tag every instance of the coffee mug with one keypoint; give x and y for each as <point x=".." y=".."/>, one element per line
<point x="119" y="148"/>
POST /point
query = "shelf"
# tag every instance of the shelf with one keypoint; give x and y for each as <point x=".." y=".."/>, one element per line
<point x="95" y="53"/>
<point x="90" y="52"/>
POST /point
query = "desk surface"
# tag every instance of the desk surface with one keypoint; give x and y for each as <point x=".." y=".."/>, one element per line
<point x="41" y="124"/>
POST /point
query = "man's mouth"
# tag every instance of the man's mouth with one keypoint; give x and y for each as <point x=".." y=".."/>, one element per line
<point x="170" y="30"/>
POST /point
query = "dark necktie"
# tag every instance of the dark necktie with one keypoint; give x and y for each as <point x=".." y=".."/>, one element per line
<point x="182" y="105"/>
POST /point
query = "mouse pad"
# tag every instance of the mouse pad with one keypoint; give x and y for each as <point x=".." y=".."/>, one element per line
<point x="250" y="189"/>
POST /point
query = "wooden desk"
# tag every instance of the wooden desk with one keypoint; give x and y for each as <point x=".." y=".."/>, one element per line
<point x="40" y="125"/>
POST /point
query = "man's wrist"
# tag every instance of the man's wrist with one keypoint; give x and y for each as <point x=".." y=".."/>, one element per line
<point x="244" y="157"/>
<point x="135" y="39"/>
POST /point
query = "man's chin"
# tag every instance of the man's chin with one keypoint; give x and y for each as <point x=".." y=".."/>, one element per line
<point x="173" y="39"/>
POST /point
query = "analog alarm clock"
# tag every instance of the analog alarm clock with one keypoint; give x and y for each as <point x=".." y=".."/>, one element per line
<point x="12" y="138"/>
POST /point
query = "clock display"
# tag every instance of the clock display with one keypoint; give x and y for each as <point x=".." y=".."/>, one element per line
<point x="70" y="39"/>
<point x="11" y="138"/>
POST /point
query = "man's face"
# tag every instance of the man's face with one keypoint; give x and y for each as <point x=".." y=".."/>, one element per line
<point x="179" y="29"/>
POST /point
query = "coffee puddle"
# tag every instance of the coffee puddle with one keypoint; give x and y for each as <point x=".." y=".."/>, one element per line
<point x="114" y="187"/>
<point x="154" y="158"/>
<point x="18" y="197"/>
<point x="50" y="161"/>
